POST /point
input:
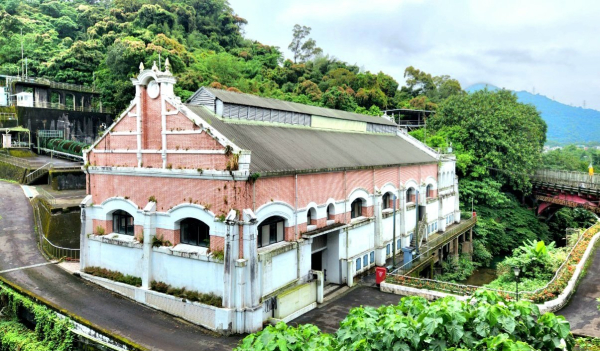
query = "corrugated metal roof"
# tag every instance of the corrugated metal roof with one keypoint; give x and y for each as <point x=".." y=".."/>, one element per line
<point x="294" y="149"/>
<point x="257" y="101"/>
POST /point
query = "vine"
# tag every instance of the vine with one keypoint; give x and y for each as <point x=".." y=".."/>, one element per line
<point x="49" y="331"/>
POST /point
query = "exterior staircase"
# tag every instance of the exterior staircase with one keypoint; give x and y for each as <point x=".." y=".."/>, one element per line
<point x="38" y="173"/>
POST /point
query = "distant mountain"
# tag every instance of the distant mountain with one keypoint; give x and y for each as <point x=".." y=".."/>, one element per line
<point x="566" y="124"/>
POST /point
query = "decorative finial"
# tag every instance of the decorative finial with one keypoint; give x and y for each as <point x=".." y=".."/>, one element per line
<point x="141" y="67"/>
<point x="167" y="65"/>
<point x="154" y="68"/>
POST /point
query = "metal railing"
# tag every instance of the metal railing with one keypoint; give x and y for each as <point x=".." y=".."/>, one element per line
<point x="5" y="116"/>
<point x="38" y="172"/>
<point x="58" y="106"/>
<point x="52" y="84"/>
<point x="405" y="133"/>
<point x="15" y="161"/>
<point x="54" y="251"/>
<point x="572" y="179"/>
<point x="467" y="290"/>
<point x="46" y="196"/>
<point x="428" y="249"/>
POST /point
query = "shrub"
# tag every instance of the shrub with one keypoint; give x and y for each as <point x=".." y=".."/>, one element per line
<point x="113" y="275"/>
<point x="192" y="295"/>
<point x="100" y="230"/>
<point x="485" y="322"/>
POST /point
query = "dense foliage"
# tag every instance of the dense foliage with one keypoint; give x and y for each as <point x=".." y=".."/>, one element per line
<point x="486" y="322"/>
<point x="498" y="143"/>
<point x="455" y="269"/>
<point x="537" y="263"/>
<point x="102" y="43"/>
<point x="48" y="332"/>
<point x="571" y="158"/>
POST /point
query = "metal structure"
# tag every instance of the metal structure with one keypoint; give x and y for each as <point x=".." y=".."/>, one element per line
<point x="52" y="142"/>
<point x="409" y="119"/>
<point x="430" y="247"/>
<point x="47" y="247"/>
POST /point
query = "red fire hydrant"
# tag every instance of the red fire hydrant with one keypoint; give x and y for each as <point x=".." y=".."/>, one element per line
<point x="380" y="273"/>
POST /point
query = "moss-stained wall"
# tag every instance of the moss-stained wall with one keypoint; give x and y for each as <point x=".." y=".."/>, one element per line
<point x="62" y="226"/>
<point x="10" y="172"/>
<point x="67" y="180"/>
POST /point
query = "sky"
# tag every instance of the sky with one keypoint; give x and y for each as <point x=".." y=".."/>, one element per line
<point x="549" y="47"/>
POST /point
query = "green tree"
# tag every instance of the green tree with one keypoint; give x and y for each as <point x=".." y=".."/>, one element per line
<point x="303" y="48"/>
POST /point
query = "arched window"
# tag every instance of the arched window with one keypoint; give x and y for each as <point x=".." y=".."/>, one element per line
<point x="411" y="195"/>
<point x="271" y="231"/>
<point x="122" y="223"/>
<point x="356" y="208"/>
<point x="330" y="212"/>
<point x="387" y="201"/>
<point x="194" y="232"/>
<point x="429" y="191"/>
<point x="311" y="215"/>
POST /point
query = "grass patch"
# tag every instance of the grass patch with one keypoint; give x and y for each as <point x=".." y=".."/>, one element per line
<point x="192" y="295"/>
<point x="587" y="344"/>
<point x="114" y="275"/>
<point x="21" y="153"/>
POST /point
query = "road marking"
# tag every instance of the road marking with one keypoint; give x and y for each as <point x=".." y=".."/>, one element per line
<point x="32" y="266"/>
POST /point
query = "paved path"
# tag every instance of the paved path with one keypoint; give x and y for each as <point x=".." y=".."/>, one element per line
<point x="582" y="311"/>
<point x="147" y="327"/>
<point x="329" y="316"/>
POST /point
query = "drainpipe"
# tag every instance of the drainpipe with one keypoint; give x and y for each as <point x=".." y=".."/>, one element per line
<point x="138" y="93"/>
<point x="296" y="200"/>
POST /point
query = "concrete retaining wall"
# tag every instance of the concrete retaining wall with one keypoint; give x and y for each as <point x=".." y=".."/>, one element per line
<point x="213" y="318"/>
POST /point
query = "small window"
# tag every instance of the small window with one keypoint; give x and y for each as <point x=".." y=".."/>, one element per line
<point x="358" y="262"/>
<point x="386" y="201"/>
<point x="270" y="231"/>
<point x="372" y="257"/>
<point x="309" y="217"/>
<point x="122" y="223"/>
<point x="411" y="195"/>
<point x="330" y="212"/>
<point x="194" y="232"/>
<point x="429" y="191"/>
<point x="398" y="244"/>
<point x="388" y="249"/>
<point x="365" y="261"/>
<point x="356" y="208"/>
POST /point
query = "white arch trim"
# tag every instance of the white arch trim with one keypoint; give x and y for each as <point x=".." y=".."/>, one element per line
<point x="359" y="193"/>
<point x="113" y="204"/>
<point x="411" y="183"/>
<point x="389" y="188"/>
<point x="431" y="181"/>
<point x="277" y="208"/>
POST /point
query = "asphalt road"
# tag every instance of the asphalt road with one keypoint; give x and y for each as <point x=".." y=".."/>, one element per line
<point x="582" y="311"/>
<point x="328" y="317"/>
<point x="144" y="326"/>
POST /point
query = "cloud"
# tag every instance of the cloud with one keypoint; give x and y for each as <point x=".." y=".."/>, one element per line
<point x="547" y="44"/>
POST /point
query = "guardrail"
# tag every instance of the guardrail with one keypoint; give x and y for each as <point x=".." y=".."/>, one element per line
<point x="537" y="295"/>
<point x="38" y="172"/>
<point x="573" y="179"/>
<point x="429" y="248"/>
<point x="52" y="84"/>
<point x="54" y="251"/>
<point x="15" y="161"/>
<point x="46" y="195"/>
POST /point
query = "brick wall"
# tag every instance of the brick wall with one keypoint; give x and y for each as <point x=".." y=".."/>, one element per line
<point x="221" y="196"/>
<point x="217" y="243"/>
<point x="275" y="189"/>
<point x="107" y="225"/>
<point x="319" y="188"/>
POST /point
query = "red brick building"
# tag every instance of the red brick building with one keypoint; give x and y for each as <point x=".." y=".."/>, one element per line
<point x="250" y="198"/>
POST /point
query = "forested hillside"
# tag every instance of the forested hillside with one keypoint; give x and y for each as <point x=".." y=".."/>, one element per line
<point x="102" y="43"/>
